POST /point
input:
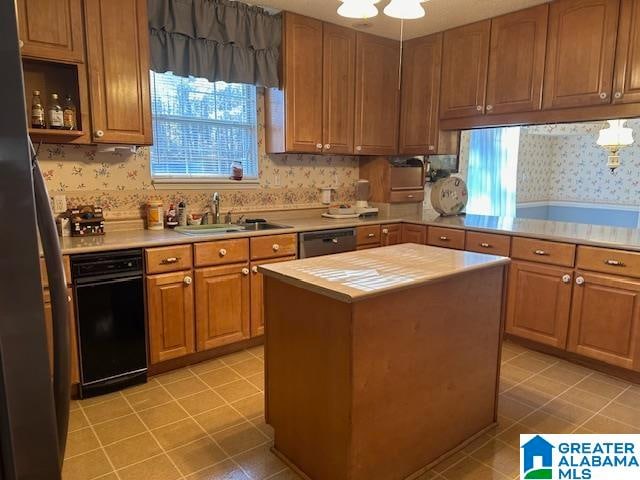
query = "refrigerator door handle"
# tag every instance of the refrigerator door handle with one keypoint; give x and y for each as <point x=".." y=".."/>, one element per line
<point x="59" y="305"/>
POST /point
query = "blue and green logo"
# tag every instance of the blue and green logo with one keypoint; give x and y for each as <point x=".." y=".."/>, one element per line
<point x="537" y="459"/>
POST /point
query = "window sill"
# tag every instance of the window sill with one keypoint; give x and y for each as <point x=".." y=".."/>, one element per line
<point x="204" y="184"/>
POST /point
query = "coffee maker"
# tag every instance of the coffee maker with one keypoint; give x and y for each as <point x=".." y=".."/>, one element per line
<point x="363" y="193"/>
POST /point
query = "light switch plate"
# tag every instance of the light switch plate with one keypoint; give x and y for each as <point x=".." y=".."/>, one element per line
<point x="59" y="203"/>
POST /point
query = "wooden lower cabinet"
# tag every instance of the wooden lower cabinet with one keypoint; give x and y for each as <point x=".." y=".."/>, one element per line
<point x="539" y="302"/>
<point x="391" y="234"/>
<point x="170" y="312"/>
<point x="414" y="234"/>
<point x="73" y="336"/>
<point x="605" y="319"/>
<point x="223" y="305"/>
<point x="257" y="295"/>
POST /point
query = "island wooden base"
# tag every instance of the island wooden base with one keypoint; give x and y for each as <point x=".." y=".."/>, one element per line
<point x="386" y="386"/>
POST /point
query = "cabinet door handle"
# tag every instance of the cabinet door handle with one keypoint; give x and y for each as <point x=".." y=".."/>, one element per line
<point x="319" y="146"/>
<point x="169" y="260"/>
<point x="222" y="252"/>
<point x="275" y="247"/>
<point x="566" y="278"/>
<point x="20" y="43"/>
<point x="479" y="108"/>
<point x="254" y="269"/>
<point x="444" y="238"/>
<point x="485" y="245"/>
<point x="617" y="95"/>
<point x="603" y="95"/>
<point x="580" y="280"/>
<point x="385" y="231"/>
<point x="432" y="148"/>
<point x="358" y="148"/>
<point x="327" y="146"/>
<point x="614" y="263"/>
<point x="489" y="108"/>
<point x="99" y="133"/>
<point x="542" y="253"/>
<point x="245" y="271"/>
<point x="187" y="280"/>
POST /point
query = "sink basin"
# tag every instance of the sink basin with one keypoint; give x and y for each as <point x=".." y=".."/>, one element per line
<point x="209" y="229"/>
<point x="253" y="227"/>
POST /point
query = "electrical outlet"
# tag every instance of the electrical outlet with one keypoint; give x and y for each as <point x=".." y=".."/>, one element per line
<point x="276" y="179"/>
<point x="59" y="203"/>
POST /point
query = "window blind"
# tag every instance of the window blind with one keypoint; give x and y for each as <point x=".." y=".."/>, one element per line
<point x="201" y="127"/>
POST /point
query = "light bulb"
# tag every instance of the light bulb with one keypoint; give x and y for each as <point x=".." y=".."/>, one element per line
<point x="358" y="9"/>
<point x="404" y="9"/>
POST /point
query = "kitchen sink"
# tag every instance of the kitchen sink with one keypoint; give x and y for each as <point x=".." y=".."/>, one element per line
<point x="221" y="228"/>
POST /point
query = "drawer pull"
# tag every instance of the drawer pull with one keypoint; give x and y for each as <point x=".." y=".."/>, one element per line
<point x="444" y="238"/>
<point x="410" y="196"/>
<point x="254" y="269"/>
<point x="542" y="253"/>
<point x="485" y="245"/>
<point x="170" y="260"/>
<point x="222" y="252"/>
<point x="245" y="271"/>
<point x="371" y="235"/>
<point x="187" y="280"/>
<point x="614" y="263"/>
<point x="385" y="231"/>
<point x="275" y="247"/>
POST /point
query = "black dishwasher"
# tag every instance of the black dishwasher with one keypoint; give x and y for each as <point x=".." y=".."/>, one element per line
<point x="109" y="296"/>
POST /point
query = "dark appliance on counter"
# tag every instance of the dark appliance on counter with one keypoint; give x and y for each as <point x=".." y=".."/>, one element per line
<point x="327" y="242"/>
<point x="86" y="221"/>
<point x="109" y="293"/>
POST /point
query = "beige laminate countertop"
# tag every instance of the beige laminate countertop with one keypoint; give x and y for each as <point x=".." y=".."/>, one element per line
<point x="353" y="276"/>
<point x="598" y="235"/>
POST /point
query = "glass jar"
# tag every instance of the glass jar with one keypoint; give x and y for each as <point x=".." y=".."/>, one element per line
<point x="236" y="170"/>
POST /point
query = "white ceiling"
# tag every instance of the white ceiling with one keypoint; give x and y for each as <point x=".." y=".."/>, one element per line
<point x="441" y="14"/>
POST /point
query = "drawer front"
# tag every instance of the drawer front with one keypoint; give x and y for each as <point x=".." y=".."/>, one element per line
<point x="543" y="251"/>
<point x="67" y="271"/>
<point x="168" y="259"/>
<point x="406" y="196"/>
<point x="445" y="237"/>
<point x="221" y="252"/>
<point x="608" y="260"/>
<point x="274" y="246"/>
<point x="368" y="235"/>
<point x="489" y="243"/>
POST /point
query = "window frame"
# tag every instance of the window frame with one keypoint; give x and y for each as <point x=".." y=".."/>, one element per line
<point x="174" y="181"/>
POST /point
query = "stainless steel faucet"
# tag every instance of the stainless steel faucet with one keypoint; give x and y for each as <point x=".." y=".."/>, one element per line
<point x="215" y="207"/>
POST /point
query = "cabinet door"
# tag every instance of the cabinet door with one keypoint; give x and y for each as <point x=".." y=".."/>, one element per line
<point x="51" y="30"/>
<point x="391" y="234"/>
<point x="420" y="95"/>
<point x="580" y="53"/>
<point x="338" y="89"/>
<point x="516" y="61"/>
<point x="257" y="295"/>
<point x="222" y="306"/>
<point x="118" y="60"/>
<point x="414" y="234"/>
<point x="538" y="303"/>
<point x="377" y="95"/>
<point x="627" y="71"/>
<point x="302" y="83"/>
<point x="73" y="335"/>
<point x="465" y="57"/>
<point x="605" y="319"/>
<point x="170" y="312"/>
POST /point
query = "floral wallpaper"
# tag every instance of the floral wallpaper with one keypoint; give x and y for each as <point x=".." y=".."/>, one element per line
<point x="120" y="181"/>
<point x="564" y="163"/>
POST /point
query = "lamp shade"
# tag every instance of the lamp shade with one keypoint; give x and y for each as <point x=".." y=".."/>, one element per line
<point x="616" y="135"/>
<point x="404" y="9"/>
<point x="358" y="8"/>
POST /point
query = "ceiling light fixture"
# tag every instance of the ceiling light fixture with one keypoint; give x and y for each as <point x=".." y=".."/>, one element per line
<point x="404" y="9"/>
<point x="361" y="9"/>
<point x="614" y="138"/>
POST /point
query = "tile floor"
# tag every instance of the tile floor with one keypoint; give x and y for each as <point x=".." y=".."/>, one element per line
<point x="206" y="422"/>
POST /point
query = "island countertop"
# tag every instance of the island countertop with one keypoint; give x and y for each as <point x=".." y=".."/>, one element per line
<point x="353" y="276"/>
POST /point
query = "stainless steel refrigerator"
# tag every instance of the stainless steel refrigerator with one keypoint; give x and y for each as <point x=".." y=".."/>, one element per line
<point x="34" y="405"/>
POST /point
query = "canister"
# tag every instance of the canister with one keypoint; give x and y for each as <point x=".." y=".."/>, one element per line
<point x="155" y="214"/>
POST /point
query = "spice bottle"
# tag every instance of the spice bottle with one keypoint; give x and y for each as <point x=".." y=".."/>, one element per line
<point x="37" y="111"/>
<point x="54" y="113"/>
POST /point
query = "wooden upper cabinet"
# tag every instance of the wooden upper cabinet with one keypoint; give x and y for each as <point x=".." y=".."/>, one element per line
<point x="605" y="319"/>
<point x="516" y="61"/>
<point x="377" y="95"/>
<point x="626" y="88"/>
<point x="580" y="53"/>
<point x="465" y="58"/>
<point x="118" y="60"/>
<point x="420" y="95"/>
<point x="338" y="89"/>
<point x="538" y="303"/>
<point x="223" y="305"/>
<point x="170" y="312"/>
<point x="51" y="30"/>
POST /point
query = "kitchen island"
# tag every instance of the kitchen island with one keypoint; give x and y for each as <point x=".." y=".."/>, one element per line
<point x="380" y="362"/>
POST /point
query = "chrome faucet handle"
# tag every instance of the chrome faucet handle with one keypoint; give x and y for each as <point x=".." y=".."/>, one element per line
<point x="239" y="220"/>
<point x="227" y="217"/>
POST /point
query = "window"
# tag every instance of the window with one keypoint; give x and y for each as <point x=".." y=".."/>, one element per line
<point x="200" y="128"/>
<point x="492" y="173"/>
